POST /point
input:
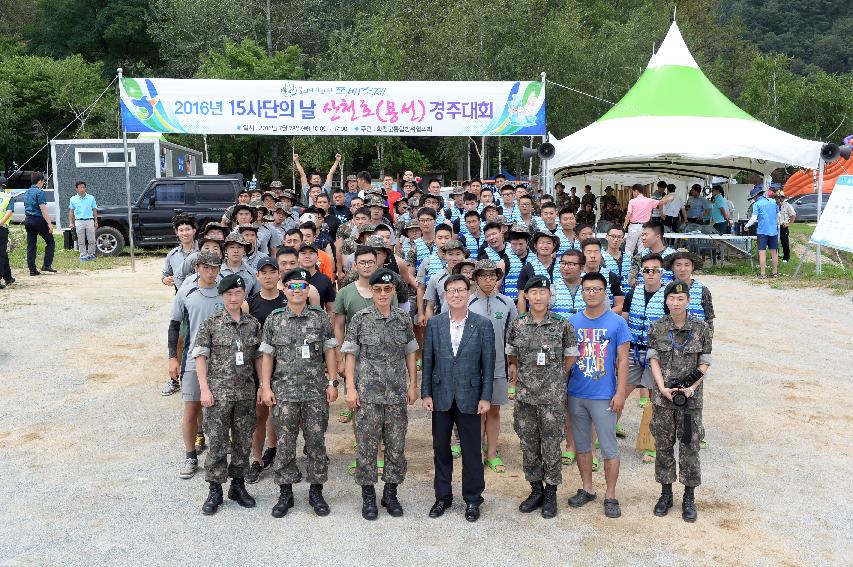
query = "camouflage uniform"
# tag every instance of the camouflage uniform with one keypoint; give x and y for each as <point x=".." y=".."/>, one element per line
<point x="299" y="385"/>
<point x="348" y="232"/>
<point x="679" y="352"/>
<point x="380" y="346"/>
<point x="539" y="417"/>
<point x="219" y="339"/>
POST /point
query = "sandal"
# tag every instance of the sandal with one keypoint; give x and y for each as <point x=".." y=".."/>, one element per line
<point x="619" y="431"/>
<point x="568" y="458"/>
<point x="351" y="467"/>
<point x="496" y="464"/>
<point x="597" y="444"/>
<point x="456" y="450"/>
<point x="510" y="392"/>
<point x="703" y="444"/>
<point x="345" y="416"/>
<point x="644" y="401"/>
<point x="611" y="508"/>
<point x="596" y="464"/>
<point x="649" y="456"/>
<point x="380" y="467"/>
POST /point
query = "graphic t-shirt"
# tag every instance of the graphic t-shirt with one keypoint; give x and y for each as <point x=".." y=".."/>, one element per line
<point x="594" y="373"/>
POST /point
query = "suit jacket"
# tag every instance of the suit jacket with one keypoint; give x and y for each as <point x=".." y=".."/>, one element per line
<point x="467" y="377"/>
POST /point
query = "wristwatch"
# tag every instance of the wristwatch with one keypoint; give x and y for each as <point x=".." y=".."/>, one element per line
<point x="333" y="383"/>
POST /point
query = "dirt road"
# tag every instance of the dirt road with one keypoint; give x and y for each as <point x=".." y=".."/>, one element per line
<point x="89" y="452"/>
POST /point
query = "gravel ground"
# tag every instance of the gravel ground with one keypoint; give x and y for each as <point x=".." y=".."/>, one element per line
<point x="90" y="452"/>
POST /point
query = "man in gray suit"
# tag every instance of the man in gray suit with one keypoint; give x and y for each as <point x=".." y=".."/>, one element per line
<point x="458" y="371"/>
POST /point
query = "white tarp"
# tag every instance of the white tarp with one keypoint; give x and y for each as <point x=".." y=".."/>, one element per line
<point x="835" y="227"/>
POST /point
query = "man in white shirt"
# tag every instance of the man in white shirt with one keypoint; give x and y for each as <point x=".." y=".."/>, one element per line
<point x="673" y="211"/>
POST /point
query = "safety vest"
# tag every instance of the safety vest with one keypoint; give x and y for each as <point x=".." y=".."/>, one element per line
<point x="455" y="213"/>
<point x="423" y="252"/>
<point x="621" y="269"/>
<point x="539" y="268"/>
<point x="566" y="244"/>
<point x="694" y="307"/>
<point x="667" y="275"/>
<point x="512" y="272"/>
<point x="473" y="244"/>
<point x="434" y="266"/>
<point x="643" y="314"/>
<point x="566" y="303"/>
<point x="5" y="198"/>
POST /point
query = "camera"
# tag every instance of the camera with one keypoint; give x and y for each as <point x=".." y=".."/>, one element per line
<point x="679" y="399"/>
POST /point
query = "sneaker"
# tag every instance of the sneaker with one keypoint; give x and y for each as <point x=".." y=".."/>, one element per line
<point x="170" y="387"/>
<point x="84" y="258"/>
<point x="784" y="261"/>
<point x="2" y="285"/>
<point x="92" y="257"/>
<point x="35" y="273"/>
<point x="269" y="457"/>
<point x="189" y="470"/>
<point x="254" y="473"/>
<point x="200" y="445"/>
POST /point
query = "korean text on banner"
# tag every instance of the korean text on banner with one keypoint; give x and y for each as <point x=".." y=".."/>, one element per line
<point x="835" y="228"/>
<point x="330" y="108"/>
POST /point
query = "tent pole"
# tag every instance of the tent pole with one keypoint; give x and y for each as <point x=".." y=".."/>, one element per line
<point x="127" y="179"/>
<point x="817" y="262"/>
<point x="544" y="173"/>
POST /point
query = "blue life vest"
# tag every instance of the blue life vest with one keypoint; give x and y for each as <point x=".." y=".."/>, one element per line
<point x="667" y="275"/>
<point x="512" y="272"/>
<point x="694" y="307"/>
<point x="621" y="269"/>
<point x="539" y="268"/>
<point x="566" y="303"/>
<point x="423" y="252"/>
<point x="493" y="255"/>
<point x="405" y="246"/>
<point x="566" y="244"/>
<point x="473" y="244"/>
<point x="455" y="213"/>
<point x="435" y="265"/>
<point x="642" y="315"/>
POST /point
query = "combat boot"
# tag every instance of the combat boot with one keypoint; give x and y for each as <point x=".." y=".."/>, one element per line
<point x="533" y="501"/>
<point x="389" y="500"/>
<point x="549" y="502"/>
<point x="664" y="502"/>
<point x="369" y="511"/>
<point x="214" y="499"/>
<point x="316" y="500"/>
<point x="285" y="501"/>
<point x="688" y="506"/>
<point x="237" y="492"/>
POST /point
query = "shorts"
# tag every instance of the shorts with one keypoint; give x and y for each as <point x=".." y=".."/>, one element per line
<point x="500" y="391"/>
<point x="190" y="390"/>
<point x="638" y="376"/>
<point x="766" y="241"/>
<point x="586" y="413"/>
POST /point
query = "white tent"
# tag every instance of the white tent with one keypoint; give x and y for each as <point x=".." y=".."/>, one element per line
<point x="675" y="123"/>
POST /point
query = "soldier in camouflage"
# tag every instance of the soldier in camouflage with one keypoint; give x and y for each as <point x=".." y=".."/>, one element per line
<point x="297" y="340"/>
<point x="541" y="347"/>
<point x="379" y="344"/>
<point x="679" y="349"/>
<point x="225" y="352"/>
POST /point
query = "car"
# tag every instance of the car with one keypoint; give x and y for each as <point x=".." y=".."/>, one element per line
<point x="805" y="207"/>
<point x="18" y="209"/>
<point x="203" y="197"/>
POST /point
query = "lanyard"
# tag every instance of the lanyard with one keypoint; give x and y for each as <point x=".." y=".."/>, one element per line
<point x="679" y="346"/>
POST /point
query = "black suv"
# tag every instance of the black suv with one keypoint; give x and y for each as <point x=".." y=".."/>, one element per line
<point x="203" y="197"/>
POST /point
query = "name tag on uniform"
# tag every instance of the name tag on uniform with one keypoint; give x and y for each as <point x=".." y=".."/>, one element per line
<point x="239" y="357"/>
<point x="540" y="359"/>
<point x="306" y="350"/>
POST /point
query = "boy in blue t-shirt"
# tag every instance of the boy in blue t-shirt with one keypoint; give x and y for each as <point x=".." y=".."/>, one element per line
<point x="597" y="388"/>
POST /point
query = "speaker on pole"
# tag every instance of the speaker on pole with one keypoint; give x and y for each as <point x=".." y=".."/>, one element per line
<point x="545" y="150"/>
<point x="830" y="152"/>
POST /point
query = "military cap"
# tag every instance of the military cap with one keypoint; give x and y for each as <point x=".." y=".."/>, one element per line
<point x="365" y="229"/>
<point x="487" y="265"/>
<point x="208" y="259"/>
<point x="267" y="262"/>
<point x="455" y="244"/>
<point x="490" y="206"/>
<point x="675" y="286"/>
<point x="438" y="198"/>
<point x="457" y="269"/>
<point x="377" y="242"/>
<point x="411" y="224"/>
<point x="297" y="274"/>
<point x="518" y="231"/>
<point x="268" y="194"/>
<point x="204" y="239"/>
<point x="542" y="234"/>
<point x="457" y="191"/>
<point x="288" y="194"/>
<point x="352" y="177"/>
<point x="231" y="281"/>
<point x="235" y="237"/>
<point x="256" y="203"/>
<point x="537" y="281"/>
<point x="307" y="246"/>
<point x="214" y="226"/>
<point x="376" y="202"/>
<point x="244" y="227"/>
<point x="382" y="276"/>
<point x="276" y="185"/>
<point x="280" y="207"/>
<point x="243" y="190"/>
<point x="241" y="207"/>
<point x="500" y="219"/>
<point x="683" y="254"/>
<point x="269" y="218"/>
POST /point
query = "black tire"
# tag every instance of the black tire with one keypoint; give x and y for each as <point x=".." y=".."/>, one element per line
<point x="109" y="241"/>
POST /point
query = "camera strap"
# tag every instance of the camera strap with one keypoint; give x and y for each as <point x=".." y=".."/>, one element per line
<point x="686" y="427"/>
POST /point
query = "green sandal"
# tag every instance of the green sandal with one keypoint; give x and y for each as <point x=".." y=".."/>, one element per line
<point x="597" y="444"/>
<point x="596" y="464"/>
<point x="494" y="464"/>
<point x="345" y="416"/>
<point x="510" y="391"/>
<point x="380" y="467"/>
<point x="644" y="401"/>
<point x="568" y="458"/>
<point x="351" y="467"/>
<point x="649" y="456"/>
<point x="456" y="450"/>
<point x="703" y="444"/>
<point x="619" y="431"/>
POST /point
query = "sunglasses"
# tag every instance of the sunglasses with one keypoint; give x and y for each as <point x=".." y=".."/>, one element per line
<point x="652" y="270"/>
<point x="383" y="289"/>
<point x="294" y="286"/>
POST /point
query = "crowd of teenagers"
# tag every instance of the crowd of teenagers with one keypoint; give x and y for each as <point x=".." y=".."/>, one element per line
<point x="495" y="296"/>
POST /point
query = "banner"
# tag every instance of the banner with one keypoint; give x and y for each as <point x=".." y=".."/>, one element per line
<point x="835" y="227"/>
<point x="333" y="108"/>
